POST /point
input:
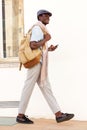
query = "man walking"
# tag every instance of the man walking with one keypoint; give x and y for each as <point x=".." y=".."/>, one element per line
<point x="38" y="73"/>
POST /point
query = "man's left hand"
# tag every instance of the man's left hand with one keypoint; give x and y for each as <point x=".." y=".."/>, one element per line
<point x="52" y="47"/>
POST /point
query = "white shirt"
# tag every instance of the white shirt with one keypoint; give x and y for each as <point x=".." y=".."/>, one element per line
<point x="37" y="34"/>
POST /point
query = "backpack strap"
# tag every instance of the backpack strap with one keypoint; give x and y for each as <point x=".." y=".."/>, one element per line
<point x="20" y="66"/>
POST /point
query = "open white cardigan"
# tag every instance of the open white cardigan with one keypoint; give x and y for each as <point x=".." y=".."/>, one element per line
<point x="44" y="67"/>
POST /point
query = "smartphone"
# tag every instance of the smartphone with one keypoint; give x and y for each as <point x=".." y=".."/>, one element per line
<point x="57" y="45"/>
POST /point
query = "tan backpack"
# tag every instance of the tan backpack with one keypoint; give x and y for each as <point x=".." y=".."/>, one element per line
<point x="28" y="57"/>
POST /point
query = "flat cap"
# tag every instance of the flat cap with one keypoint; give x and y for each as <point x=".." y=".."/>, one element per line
<point x="42" y="11"/>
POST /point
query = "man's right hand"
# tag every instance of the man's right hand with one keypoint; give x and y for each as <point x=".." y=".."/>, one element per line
<point x="47" y="37"/>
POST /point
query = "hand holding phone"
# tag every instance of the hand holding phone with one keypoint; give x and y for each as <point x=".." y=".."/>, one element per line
<point x="52" y="47"/>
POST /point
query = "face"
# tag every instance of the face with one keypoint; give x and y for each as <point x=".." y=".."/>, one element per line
<point x="44" y="18"/>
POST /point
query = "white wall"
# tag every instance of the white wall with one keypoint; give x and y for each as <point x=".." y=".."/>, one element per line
<point x="67" y="65"/>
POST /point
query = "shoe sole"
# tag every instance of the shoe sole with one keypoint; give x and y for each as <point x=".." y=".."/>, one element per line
<point x="66" y="119"/>
<point x="24" y="122"/>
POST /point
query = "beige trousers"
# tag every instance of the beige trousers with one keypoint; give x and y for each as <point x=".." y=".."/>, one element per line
<point x="32" y="78"/>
